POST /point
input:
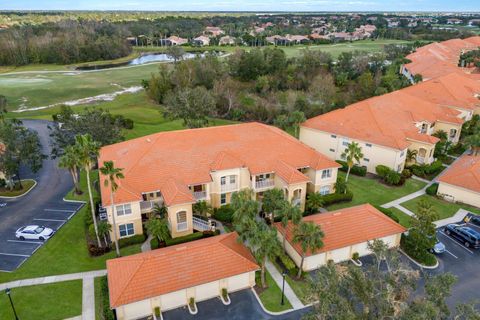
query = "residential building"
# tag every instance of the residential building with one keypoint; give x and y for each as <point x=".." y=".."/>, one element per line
<point x="385" y="127"/>
<point x="201" y="41"/>
<point x="179" y="168"/>
<point x="214" y="31"/>
<point x="168" y="278"/>
<point x="226" y="40"/>
<point x="346" y="231"/>
<point x="461" y="181"/>
<point x="177" y="41"/>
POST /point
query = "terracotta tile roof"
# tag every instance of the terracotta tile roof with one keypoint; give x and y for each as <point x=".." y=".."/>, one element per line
<point x="289" y="174"/>
<point x="465" y="173"/>
<point x="387" y="120"/>
<point x="150" y="274"/>
<point x="346" y="227"/>
<point x="172" y="161"/>
<point x="452" y="90"/>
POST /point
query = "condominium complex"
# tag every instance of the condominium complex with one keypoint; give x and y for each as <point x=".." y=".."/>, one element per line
<point x="179" y="168"/>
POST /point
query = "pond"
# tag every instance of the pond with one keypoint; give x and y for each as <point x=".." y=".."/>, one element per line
<point x="143" y="59"/>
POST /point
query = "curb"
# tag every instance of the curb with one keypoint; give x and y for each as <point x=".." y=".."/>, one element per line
<point x="419" y="264"/>
<point x="273" y="313"/>
<point x="24" y="194"/>
<point x="74" y="201"/>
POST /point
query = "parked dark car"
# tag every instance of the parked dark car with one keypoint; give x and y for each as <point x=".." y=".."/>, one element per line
<point x="466" y="235"/>
<point x="475" y="220"/>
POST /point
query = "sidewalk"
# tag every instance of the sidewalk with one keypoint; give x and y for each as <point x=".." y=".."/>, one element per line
<point x="289" y="293"/>
<point x="457" y="217"/>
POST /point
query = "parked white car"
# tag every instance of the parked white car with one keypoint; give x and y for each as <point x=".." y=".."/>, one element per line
<point x="34" y="232"/>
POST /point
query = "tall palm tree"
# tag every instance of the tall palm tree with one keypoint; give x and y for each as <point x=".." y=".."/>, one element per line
<point x="352" y="154"/>
<point x="103" y="229"/>
<point x="112" y="175"/>
<point x="290" y="212"/>
<point x="264" y="244"/>
<point x="86" y="150"/>
<point x="69" y="161"/>
<point x="310" y="237"/>
<point x="158" y="228"/>
<point x="273" y="200"/>
<point x="314" y="201"/>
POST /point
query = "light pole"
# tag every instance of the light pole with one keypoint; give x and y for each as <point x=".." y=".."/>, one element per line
<point x="283" y="288"/>
<point x="7" y="291"/>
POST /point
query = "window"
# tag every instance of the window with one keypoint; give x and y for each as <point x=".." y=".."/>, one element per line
<point x="182" y="223"/>
<point x="126" y="230"/>
<point x="366" y="159"/>
<point x="402" y="154"/>
<point x="399" y="168"/>
<point x="332" y="150"/>
<point x="326" y="174"/>
<point x="368" y="145"/>
<point x="123" y="209"/>
<point x="232" y="179"/>
<point x="345" y="143"/>
<point x="223" y="199"/>
<point x="158" y="194"/>
<point x="223" y="180"/>
<point x="453" y="133"/>
<point x="333" y="136"/>
<point x="324" y="190"/>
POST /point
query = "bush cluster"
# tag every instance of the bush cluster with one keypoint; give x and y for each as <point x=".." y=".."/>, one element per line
<point x="391" y="177"/>
<point x="426" y="170"/>
<point x="287" y="263"/>
<point x="388" y="213"/>
<point x="223" y="214"/>
<point x="107" y="312"/>
<point x="332" y="198"/>
<point x="136" y="239"/>
<point x="356" y="170"/>
<point x="432" y="189"/>
<point x="426" y="258"/>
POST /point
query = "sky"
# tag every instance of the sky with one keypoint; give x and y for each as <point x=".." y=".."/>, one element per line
<point x="244" y="5"/>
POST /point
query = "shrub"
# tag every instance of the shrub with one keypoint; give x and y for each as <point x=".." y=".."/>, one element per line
<point x="388" y="213"/>
<point x="382" y="170"/>
<point x="432" y="189"/>
<point x="355" y="256"/>
<point x="224" y="294"/>
<point x="154" y="244"/>
<point x="156" y="310"/>
<point x="287" y="262"/>
<point x="393" y="178"/>
<point x="332" y="198"/>
<point x="426" y="258"/>
<point x="191" y="303"/>
<point x="356" y="170"/>
<point x="223" y="214"/>
<point x="207" y="234"/>
<point x="95" y="251"/>
<point x="2" y="183"/>
<point x="406" y="173"/>
<point x="88" y="219"/>
<point x="187" y="238"/>
<point x="136" y="239"/>
<point x="340" y="185"/>
<point x="434" y="167"/>
<point x="107" y="312"/>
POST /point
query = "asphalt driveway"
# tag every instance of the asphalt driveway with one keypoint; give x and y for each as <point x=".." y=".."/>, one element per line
<point x="43" y="205"/>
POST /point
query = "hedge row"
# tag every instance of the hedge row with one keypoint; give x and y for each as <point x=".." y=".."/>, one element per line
<point x="425" y="170"/>
<point x="136" y="239"/>
<point x="105" y="300"/>
<point x="432" y="189"/>
<point x="388" y="213"/>
<point x="332" y="198"/>
<point x="191" y="237"/>
<point x="356" y="170"/>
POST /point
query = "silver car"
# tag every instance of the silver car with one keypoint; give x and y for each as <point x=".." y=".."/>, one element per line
<point x="34" y="232"/>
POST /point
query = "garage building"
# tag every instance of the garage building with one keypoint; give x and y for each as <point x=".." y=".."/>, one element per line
<point x="169" y="277"/>
<point x="461" y="181"/>
<point x="346" y="231"/>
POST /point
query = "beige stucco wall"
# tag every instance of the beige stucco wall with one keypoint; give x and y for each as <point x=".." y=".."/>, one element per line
<point x="135" y="217"/>
<point x="446" y="127"/>
<point x="172" y="219"/>
<point x="430" y="149"/>
<point x="324" y="143"/>
<point x="180" y="298"/>
<point x="458" y="194"/>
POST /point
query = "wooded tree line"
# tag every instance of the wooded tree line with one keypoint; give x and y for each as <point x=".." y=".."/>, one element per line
<point x="264" y="85"/>
<point x="64" y="42"/>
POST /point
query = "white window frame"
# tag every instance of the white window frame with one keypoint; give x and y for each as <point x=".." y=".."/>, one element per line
<point x="223" y="181"/>
<point x="324" y="190"/>
<point x="127" y="234"/>
<point x="223" y="199"/>
<point x="183" y="224"/>
<point x="326" y="174"/>
<point x="121" y="209"/>
<point x="233" y="179"/>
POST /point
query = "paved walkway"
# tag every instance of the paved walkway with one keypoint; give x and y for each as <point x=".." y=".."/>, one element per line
<point x="88" y="299"/>
<point x="461" y="213"/>
<point x="219" y="226"/>
<point x="289" y="293"/>
<point x="146" y="245"/>
<point x="404" y="210"/>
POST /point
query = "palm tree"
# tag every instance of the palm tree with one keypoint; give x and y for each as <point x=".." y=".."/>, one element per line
<point x="265" y="245"/>
<point x="103" y="229"/>
<point x="314" y="201"/>
<point x="411" y="155"/>
<point x="112" y="175"/>
<point x="159" y="211"/>
<point x="353" y="154"/>
<point x="296" y="118"/>
<point x="202" y="208"/>
<point x="310" y="237"/>
<point x="69" y="161"/>
<point x="273" y="200"/>
<point x="441" y="134"/>
<point x="86" y="150"/>
<point x="290" y="212"/>
<point x="158" y="228"/>
<point x="473" y="142"/>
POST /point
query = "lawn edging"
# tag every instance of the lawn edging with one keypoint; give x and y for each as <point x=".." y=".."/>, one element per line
<point x="275" y="313"/>
<point x="418" y="263"/>
<point x="23" y="194"/>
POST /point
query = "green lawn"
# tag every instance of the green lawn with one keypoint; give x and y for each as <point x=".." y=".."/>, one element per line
<point x="272" y="296"/>
<point x="370" y="190"/>
<point x="26" y="186"/>
<point x="48" y="301"/>
<point x="443" y="208"/>
<point x="405" y="219"/>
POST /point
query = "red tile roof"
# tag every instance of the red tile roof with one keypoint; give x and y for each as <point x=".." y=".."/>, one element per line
<point x="150" y="274"/>
<point x="464" y="173"/>
<point x="346" y="227"/>
<point x="171" y="161"/>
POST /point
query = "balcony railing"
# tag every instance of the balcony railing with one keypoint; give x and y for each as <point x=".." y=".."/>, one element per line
<point x="147" y="206"/>
<point x="420" y="159"/>
<point x="228" y="187"/>
<point x="264" y="184"/>
<point x="200" y="195"/>
<point x="201" y="225"/>
<point x="182" y="226"/>
<point x="296" y="201"/>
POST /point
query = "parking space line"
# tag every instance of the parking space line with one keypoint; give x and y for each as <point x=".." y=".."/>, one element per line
<point x="61" y="224"/>
<point x="14" y="254"/>
<point x="58" y="210"/>
<point x="20" y="241"/>
<point x="53" y="220"/>
<point x="70" y="216"/>
<point x="455" y="241"/>
<point x="21" y="263"/>
<point x="451" y="254"/>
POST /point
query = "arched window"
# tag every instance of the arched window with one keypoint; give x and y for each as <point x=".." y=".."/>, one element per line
<point x="182" y="220"/>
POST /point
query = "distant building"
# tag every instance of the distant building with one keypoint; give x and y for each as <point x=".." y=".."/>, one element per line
<point x="226" y="40"/>
<point x="201" y="41"/>
<point x="215" y="31"/>
<point x="177" y="41"/>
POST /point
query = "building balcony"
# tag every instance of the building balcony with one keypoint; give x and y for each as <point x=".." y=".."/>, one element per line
<point x="200" y="195"/>
<point x="147" y="206"/>
<point x="264" y="184"/>
<point x="228" y="187"/>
